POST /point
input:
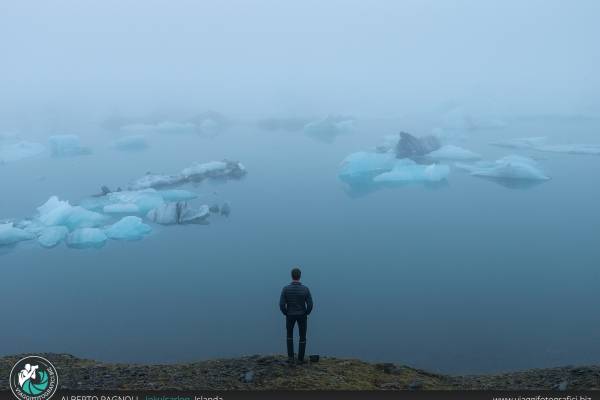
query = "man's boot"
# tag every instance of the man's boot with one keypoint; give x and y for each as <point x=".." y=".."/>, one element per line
<point x="301" y="351"/>
<point x="290" y="350"/>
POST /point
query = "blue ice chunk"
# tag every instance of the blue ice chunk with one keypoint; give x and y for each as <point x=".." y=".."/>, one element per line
<point x="363" y="166"/>
<point x="52" y="236"/>
<point x="128" y="228"/>
<point x="56" y="212"/>
<point x="86" y="237"/>
<point x="11" y="235"/>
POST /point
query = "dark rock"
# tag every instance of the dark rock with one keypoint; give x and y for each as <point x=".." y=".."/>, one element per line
<point x="214" y="209"/>
<point x="415" y="148"/>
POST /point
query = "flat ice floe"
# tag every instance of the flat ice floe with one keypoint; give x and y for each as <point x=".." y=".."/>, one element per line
<point x="19" y="151"/>
<point x="326" y="129"/>
<point x="509" y="167"/>
<point x="197" y="172"/>
<point x="539" y="143"/>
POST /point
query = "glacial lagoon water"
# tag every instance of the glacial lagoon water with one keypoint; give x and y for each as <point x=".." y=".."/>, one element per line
<point x="469" y="276"/>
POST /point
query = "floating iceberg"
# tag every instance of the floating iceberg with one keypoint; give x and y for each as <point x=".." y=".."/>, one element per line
<point x="56" y="212"/>
<point x="363" y="166"/>
<point x="128" y="228"/>
<point x="130" y="143"/>
<point x="328" y="128"/>
<point x="408" y="171"/>
<point x="178" y="213"/>
<point x="19" y="151"/>
<point x="509" y="167"/>
<point x="365" y="170"/>
<point x="195" y="173"/>
<point x="67" y="146"/>
<point x="10" y="235"/>
<point x="145" y="200"/>
<point x="52" y="236"/>
<point x="86" y="237"/>
<point x="455" y="153"/>
<point x="540" y="144"/>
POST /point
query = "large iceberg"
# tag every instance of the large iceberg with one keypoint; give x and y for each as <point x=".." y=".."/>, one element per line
<point x="195" y="173"/>
<point x="365" y="171"/>
<point x="9" y="234"/>
<point x="130" y="143"/>
<point x="363" y="165"/>
<point x="328" y="128"/>
<point x="510" y="167"/>
<point x="86" y="237"/>
<point x="66" y="146"/>
<point x="540" y="144"/>
<point x="19" y="151"/>
<point x="128" y="228"/>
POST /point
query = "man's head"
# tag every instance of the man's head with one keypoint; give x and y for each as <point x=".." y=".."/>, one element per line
<point x="296" y="274"/>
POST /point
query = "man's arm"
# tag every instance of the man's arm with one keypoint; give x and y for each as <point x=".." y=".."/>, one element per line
<point x="309" y="302"/>
<point x="282" y="305"/>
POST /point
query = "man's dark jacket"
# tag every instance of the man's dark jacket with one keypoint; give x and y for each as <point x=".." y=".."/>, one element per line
<point x="295" y="300"/>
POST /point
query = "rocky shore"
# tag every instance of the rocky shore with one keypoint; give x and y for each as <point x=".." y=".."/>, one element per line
<point x="271" y="372"/>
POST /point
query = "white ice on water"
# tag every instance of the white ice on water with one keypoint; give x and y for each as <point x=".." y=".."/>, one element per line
<point x="365" y="167"/>
<point x="509" y="167"/>
<point x="364" y="164"/>
<point x="539" y="143"/>
<point x="56" y="212"/>
<point x="329" y="127"/>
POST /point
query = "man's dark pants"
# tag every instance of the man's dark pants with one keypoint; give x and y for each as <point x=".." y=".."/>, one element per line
<point x="290" y="321"/>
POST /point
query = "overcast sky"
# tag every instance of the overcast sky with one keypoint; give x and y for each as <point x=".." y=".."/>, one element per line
<point x="274" y="57"/>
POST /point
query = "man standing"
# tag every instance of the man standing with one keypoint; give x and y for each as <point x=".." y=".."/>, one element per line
<point x="295" y="303"/>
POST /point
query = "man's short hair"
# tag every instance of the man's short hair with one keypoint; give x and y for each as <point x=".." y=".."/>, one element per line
<point x="296" y="273"/>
